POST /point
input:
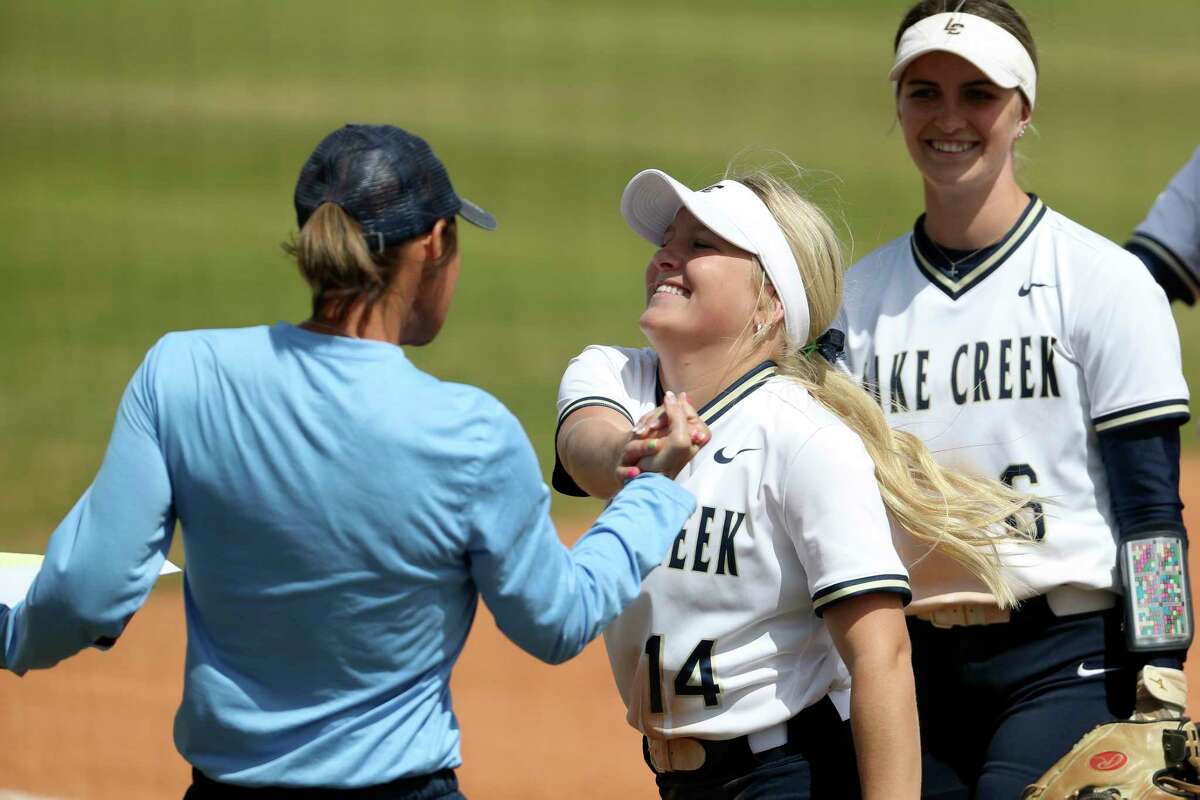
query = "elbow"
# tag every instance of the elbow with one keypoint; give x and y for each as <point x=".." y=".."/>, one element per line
<point x="549" y="643"/>
<point x="891" y="655"/>
<point x="92" y="610"/>
<point x="559" y="656"/>
<point x="559" y="649"/>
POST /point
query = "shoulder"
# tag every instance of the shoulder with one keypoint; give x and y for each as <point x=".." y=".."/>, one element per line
<point x="622" y="378"/>
<point x="804" y="427"/>
<point x="235" y="346"/>
<point x="617" y="359"/>
<point x="1066" y="232"/>
<point x="1090" y="261"/>
<point x="182" y="350"/>
<point x="869" y="273"/>
<point x="815" y="458"/>
<point x="472" y="404"/>
<point x="882" y="257"/>
<point x="1082" y="245"/>
<point x="478" y="428"/>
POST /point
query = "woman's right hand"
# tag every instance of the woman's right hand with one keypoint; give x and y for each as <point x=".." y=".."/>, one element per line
<point x="664" y="440"/>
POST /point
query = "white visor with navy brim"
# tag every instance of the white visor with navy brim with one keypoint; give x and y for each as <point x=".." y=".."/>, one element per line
<point x="735" y="213"/>
<point x="997" y="53"/>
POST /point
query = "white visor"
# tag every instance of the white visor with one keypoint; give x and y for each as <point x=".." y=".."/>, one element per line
<point x="995" y="51"/>
<point x="736" y="214"/>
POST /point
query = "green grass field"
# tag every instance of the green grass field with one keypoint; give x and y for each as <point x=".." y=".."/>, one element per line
<point x="150" y="148"/>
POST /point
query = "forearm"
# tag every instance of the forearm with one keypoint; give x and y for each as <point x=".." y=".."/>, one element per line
<point x="589" y="447"/>
<point x="883" y="716"/>
<point x="871" y="636"/>
<point x="550" y="601"/>
<point x="88" y="587"/>
<point x="105" y="555"/>
<point x="1141" y="463"/>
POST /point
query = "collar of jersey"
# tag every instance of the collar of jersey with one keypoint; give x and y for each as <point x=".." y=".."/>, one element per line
<point x="934" y="265"/>
<point x="714" y="409"/>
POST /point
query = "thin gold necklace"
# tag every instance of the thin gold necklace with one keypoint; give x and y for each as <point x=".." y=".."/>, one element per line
<point x="953" y="271"/>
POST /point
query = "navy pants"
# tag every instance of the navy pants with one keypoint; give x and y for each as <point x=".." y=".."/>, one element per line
<point x="817" y="763"/>
<point x="438" y="786"/>
<point x="1001" y="703"/>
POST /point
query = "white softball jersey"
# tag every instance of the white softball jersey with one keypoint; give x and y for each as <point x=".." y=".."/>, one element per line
<point x="726" y="637"/>
<point x="1010" y="371"/>
<point x="1171" y="231"/>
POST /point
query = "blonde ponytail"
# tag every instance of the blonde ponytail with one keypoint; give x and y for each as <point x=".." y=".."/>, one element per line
<point x="330" y="250"/>
<point x="962" y="516"/>
<point x="334" y="259"/>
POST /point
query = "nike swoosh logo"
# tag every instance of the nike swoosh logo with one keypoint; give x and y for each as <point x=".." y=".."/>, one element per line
<point x="721" y="458"/>
<point x="1027" y="288"/>
<point x="1084" y="672"/>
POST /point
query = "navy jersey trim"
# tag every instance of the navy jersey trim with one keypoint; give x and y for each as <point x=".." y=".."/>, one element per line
<point x="1157" y="412"/>
<point x="739" y="390"/>
<point x="1164" y="255"/>
<point x="589" y="402"/>
<point x="897" y="584"/>
<point x="934" y="265"/>
<point x="560" y="479"/>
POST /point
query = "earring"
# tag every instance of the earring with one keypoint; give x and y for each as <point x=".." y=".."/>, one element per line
<point x="758" y="328"/>
<point x="1020" y="131"/>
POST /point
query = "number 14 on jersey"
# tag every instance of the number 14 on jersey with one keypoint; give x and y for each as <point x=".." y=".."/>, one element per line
<point x="695" y="677"/>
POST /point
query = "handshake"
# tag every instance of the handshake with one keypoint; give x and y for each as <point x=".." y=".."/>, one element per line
<point x="664" y="440"/>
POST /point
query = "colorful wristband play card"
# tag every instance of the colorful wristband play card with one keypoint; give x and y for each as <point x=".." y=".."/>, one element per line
<point x="1158" y="613"/>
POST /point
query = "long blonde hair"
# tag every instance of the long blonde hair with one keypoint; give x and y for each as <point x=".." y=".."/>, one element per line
<point x="963" y="516"/>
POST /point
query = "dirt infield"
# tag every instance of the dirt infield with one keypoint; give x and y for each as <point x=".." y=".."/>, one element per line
<point x="99" y="725"/>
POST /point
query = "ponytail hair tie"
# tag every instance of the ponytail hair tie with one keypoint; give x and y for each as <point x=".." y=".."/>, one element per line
<point x="830" y="345"/>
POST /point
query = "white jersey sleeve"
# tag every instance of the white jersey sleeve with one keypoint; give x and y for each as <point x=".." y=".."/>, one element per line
<point x="837" y="521"/>
<point x="1171" y="231"/>
<point x="612" y="377"/>
<point x="1124" y="339"/>
<point x="623" y="379"/>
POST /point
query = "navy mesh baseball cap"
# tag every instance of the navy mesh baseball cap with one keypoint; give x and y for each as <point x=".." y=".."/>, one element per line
<point x="387" y="179"/>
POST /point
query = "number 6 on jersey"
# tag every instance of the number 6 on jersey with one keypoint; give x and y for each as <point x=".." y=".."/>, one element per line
<point x="686" y="682"/>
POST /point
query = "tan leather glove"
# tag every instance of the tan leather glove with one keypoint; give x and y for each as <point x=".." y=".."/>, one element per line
<point x="1125" y="760"/>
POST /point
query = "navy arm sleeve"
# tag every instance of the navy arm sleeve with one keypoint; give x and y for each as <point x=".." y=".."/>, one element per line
<point x="1142" y="465"/>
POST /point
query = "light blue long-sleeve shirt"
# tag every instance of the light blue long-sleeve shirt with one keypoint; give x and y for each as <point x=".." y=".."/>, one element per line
<point x="341" y="512"/>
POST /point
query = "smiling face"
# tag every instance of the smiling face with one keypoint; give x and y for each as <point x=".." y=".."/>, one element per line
<point x="959" y="126"/>
<point x="700" y="289"/>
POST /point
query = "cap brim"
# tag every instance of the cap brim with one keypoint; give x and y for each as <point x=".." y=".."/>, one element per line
<point x="653" y="198"/>
<point x="995" y="73"/>
<point x="476" y="215"/>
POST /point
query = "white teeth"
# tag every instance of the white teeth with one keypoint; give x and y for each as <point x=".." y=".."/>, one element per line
<point x="951" y="147"/>
<point x="666" y="288"/>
